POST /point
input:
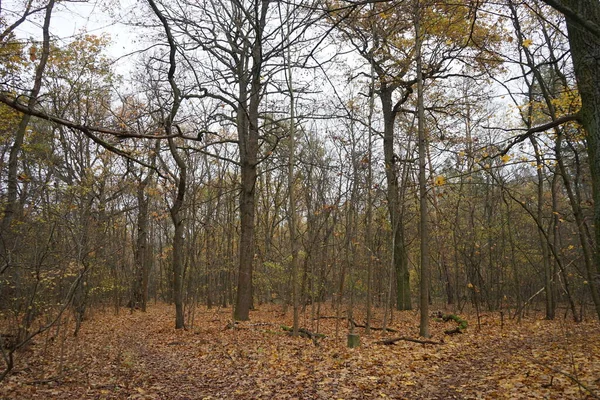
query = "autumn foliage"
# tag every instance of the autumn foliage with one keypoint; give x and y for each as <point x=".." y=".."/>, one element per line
<point x="141" y="356"/>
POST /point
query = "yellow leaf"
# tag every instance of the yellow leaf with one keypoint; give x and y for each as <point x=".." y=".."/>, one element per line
<point x="439" y="180"/>
<point x="505" y="158"/>
<point x="527" y="43"/>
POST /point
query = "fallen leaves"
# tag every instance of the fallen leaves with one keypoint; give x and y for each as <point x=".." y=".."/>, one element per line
<point x="140" y="356"/>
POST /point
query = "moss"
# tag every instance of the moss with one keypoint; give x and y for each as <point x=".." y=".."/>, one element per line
<point x="462" y="324"/>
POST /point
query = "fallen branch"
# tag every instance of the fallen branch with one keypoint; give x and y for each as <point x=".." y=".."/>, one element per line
<point x="305" y="333"/>
<point x="452" y="331"/>
<point x="373" y="328"/>
<point x="44" y="381"/>
<point x="571" y="377"/>
<point x="356" y="324"/>
<point x="262" y="324"/>
<point x="391" y="341"/>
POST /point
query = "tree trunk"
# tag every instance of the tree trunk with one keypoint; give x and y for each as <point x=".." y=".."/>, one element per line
<point x="292" y="217"/>
<point x="140" y="285"/>
<point x="11" y="207"/>
<point x="370" y="257"/>
<point x="548" y="275"/>
<point x="246" y="250"/>
<point x="424" y="218"/>
<point x="583" y="234"/>
<point x="585" y="50"/>
<point x="176" y="211"/>
<point x="248" y="135"/>
<point x="400" y="257"/>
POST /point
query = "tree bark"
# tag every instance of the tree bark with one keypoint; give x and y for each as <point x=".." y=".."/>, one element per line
<point x="141" y="253"/>
<point x="248" y="134"/>
<point x="400" y="256"/>
<point x="585" y="51"/>
<point x="178" y="238"/>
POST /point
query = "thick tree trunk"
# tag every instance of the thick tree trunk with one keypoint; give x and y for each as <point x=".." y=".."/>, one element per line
<point x="247" y="211"/>
<point x="400" y="261"/>
<point x="585" y="50"/>
<point x="248" y="134"/>
<point x="248" y="143"/>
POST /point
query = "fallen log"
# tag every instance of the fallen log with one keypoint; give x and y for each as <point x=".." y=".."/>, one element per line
<point x="462" y="324"/>
<point x="391" y="341"/>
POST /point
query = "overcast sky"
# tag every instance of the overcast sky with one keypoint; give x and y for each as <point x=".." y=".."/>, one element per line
<point x="72" y="18"/>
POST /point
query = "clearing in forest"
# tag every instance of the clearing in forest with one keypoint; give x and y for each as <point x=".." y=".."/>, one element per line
<point x="141" y="356"/>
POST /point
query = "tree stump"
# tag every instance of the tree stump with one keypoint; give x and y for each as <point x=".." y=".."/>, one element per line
<point x="353" y="340"/>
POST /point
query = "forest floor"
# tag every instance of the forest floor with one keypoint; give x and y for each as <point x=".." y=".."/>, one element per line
<point x="141" y="356"/>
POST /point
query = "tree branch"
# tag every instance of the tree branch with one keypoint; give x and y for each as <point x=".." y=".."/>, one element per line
<point x="568" y="12"/>
<point x="540" y="128"/>
<point x="15" y="104"/>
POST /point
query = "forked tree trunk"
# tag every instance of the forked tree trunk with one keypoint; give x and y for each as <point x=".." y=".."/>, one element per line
<point x="400" y="256"/>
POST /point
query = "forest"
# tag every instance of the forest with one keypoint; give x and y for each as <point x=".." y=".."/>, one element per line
<point x="384" y="198"/>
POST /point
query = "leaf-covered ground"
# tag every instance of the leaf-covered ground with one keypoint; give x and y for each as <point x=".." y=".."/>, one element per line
<point x="141" y="356"/>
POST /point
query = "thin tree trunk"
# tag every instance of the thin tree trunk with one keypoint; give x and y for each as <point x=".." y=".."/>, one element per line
<point x="581" y="231"/>
<point x="292" y="195"/>
<point x="548" y="276"/>
<point x="11" y="208"/>
<point x="370" y="256"/>
<point x="424" y="218"/>
<point x="176" y="211"/>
